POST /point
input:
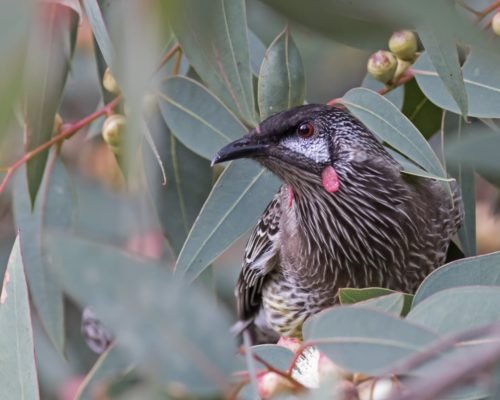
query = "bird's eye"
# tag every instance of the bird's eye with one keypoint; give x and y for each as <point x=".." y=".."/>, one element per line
<point x="305" y="130"/>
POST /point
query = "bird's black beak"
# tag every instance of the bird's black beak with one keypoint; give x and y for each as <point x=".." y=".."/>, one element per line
<point x="241" y="148"/>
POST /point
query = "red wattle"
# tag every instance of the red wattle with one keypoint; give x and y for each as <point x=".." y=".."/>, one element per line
<point x="330" y="179"/>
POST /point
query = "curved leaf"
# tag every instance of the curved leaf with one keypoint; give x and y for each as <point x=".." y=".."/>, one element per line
<point x="345" y="22"/>
<point x="196" y="117"/>
<point x="441" y="49"/>
<point x="18" y="378"/>
<point x="214" y="37"/>
<point x="481" y="79"/>
<point x="387" y="122"/>
<point x="481" y="270"/>
<point x="51" y="48"/>
<point x="234" y="205"/>
<point x="167" y="327"/>
<point x="365" y="340"/>
<point x="188" y="181"/>
<point x="278" y="356"/>
<point x="458" y="309"/>
<point x="53" y="208"/>
<point x="281" y="77"/>
<point x="99" y="29"/>
<point x="395" y="95"/>
<point x="383" y="299"/>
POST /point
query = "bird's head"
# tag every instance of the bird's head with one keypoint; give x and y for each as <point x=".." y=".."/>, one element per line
<point x="311" y="143"/>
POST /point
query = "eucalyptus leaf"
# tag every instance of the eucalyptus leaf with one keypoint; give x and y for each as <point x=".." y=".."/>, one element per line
<point x="458" y="309"/>
<point x="440" y="46"/>
<point x="281" y="78"/>
<point x="481" y="270"/>
<point x="388" y="123"/>
<point x="174" y="332"/>
<point x="278" y="356"/>
<point x="196" y="117"/>
<point x="481" y="79"/>
<point x="111" y="364"/>
<point x="53" y="208"/>
<point x="18" y="377"/>
<point x="365" y="340"/>
<point x="395" y="95"/>
<point x="421" y="112"/>
<point x="188" y="181"/>
<point x="46" y="73"/>
<point x="381" y="298"/>
<point x="213" y="36"/>
<point x="99" y="29"/>
<point x="237" y="199"/>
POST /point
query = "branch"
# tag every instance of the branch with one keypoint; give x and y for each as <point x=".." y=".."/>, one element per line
<point x="487" y="10"/>
<point x="63" y="135"/>
<point x="168" y="55"/>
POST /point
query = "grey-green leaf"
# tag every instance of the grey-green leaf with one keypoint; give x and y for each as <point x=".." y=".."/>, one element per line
<point x="48" y="67"/>
<point x="174" y="332"/>
<point x="111" y="364"/>
<point x="18" y="378"/>
<point x="213" y="35"/>
<point x="481" y="79"/>
<point x="281" y="77"/>
<point x="387" y="122"/>
<point x="188" y="181"/>
<point x="395" y="95"/>
<point x="441" y="49"/>
<point x="482" y="270"/>
<point x="278" y="356"/>
<point x="364" y="340"/>
<point x="458" y="309"/>
<point x="99" y="29"/>
<point x="53" y="208"/>
<point x="234" y="205"/>
<point x="196" y="117"/>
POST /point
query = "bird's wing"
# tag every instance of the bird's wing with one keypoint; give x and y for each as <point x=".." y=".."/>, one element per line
<point x="260" y="259"/>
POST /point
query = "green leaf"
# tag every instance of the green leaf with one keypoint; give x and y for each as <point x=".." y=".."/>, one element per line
<point x="51" y="48"/>
<point x="364" y="340"/>
<point x="53" y="208"/>
<point x="213" y="36"/>
<point x="234" y="205"/>
<point x="440" y="46"/>
<point x="482" y="270"/>
<point x="454" y="130"/>
<point x="479" y="150"/>
<point x="389" y="124"/>
<point x="421" y="112"/>
<point x="99" y="29"/>
<point x="188" y="181"/>
<point x="18" y="378"/>
<point x="410" y="168"/>
<point x="482" y="84"/>
<point x="111" y="364"/>
<point x="257" y="52"/>
<point x="281" y="78"/>
<point x="395" y="95"/>
<point x="365" y="295"/>
<point x="351" y="27"/>
<point x="176" y="333"/>
<point x="278" y="356"/>
<point x="15" y="19"/>
<point x="196" y="117"/>
<point x="458" y="309"/>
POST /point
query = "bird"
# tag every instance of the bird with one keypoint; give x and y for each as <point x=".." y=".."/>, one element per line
<point x="345" y="216"/>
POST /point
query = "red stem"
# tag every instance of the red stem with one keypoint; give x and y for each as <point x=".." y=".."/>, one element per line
<point x="64" y="134"/>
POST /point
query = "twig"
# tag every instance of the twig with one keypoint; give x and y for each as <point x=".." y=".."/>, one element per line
<point x="406" y="77"/>
<point x="487" y="10"/>
<point x="168" y="55"/>
<point x="65" y="134"/>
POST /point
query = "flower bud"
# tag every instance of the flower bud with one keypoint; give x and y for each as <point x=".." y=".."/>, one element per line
<point x="112" y="130"/>
<point x="401" y="69"/>
<point x="495" y="23"/>
<point x="109" y="82"/>
<point x="404" y="45"/>
<point x="382" y="66"/>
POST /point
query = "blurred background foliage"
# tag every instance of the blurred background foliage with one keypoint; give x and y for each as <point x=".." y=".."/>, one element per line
<point x="103" y="208"/>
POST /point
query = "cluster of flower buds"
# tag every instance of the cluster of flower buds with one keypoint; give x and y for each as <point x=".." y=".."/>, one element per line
<point x="114" y="125"/>
<point x="388" y="66"/>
